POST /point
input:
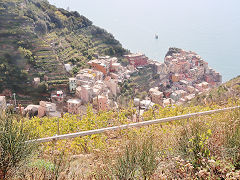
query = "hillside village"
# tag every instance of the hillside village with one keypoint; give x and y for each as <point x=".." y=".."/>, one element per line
<point x="75" y="104"/>
<point x="182" y="76"/>
<point x="60" y="64"/>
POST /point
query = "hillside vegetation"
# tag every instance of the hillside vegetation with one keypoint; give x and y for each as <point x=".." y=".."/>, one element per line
<point x="37" y="39"/>
<point x="221" y="94"/>
<point x="205" y="147"/>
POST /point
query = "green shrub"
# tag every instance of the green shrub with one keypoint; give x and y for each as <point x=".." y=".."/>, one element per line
<point x="147" y="158"/>
<point x="193" y="142"/>
<point x="126" y="164"/>
<point x="13" y="147"/>
<point x="42" y="164"/>
<point x="232" y="139"/>
<point x="27" y="53"/>
<point x="138" y="159"/>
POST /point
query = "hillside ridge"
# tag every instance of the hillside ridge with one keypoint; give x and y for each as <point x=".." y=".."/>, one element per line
<point x="37" y="39"/>
<point x="221" y="94"/>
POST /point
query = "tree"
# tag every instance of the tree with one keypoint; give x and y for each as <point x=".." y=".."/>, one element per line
<point x="41" y="27"/>
<point x="27" y="53"/>
<point x="75" y="70"/>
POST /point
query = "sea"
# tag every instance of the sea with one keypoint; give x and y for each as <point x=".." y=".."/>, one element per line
<point x="210" y="28"/>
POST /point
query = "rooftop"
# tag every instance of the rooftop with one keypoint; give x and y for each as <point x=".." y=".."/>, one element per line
<point x="101" y="97"/>
<point x="135" y="55"/>
<point x="116" y="64"/>
<point x="59" y="92"/>
<point x="2" y="98"/>
<point x="74" y="101"/>
<point x="72" y="79"/>
<point x="157" y="93"/>
<point x="36" y="79"/>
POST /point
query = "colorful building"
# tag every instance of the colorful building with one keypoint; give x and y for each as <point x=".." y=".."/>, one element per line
<point x="73" y="106"/>
<point x="46" y="108"/>
<point x="175" y="77"/>
<point x="137" y="59"/>
<point x="101" y="102"/>
<point x="99" y="65"/>
<point x="85" y="93"/>
<point x="112" y="84"/>
<point x="157" y="97"/>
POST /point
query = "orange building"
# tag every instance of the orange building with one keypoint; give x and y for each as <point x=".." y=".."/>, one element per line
<point x="99" y="66"/>
<point x="175" y="78"/>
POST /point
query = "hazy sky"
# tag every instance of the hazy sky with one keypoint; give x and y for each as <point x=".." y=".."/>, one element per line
<point x="209" y="27"/>
<point x="132" y="8"/>
<point x="148" y="16"/>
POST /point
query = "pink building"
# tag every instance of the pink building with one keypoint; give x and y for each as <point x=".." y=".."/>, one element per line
<point x="181" y="76"/>
<point x="137" y="59"/>
<point x="112" y="84"/>
<point x="45" y="108"/>
<point x="101" y="102"/>
<point x="114" y="76"/>
<point x="185" y="66"/>
<point x="199" y="87"/>
<point x="208" y="78"/>
<point x="202" y="86"/>
<point x="78" y="91"/>
<point x="190" y="89"/>
<point x="86" y="93"/>
<point x="74" y="106"/>
<point x="115" y="67"/>
<point x="41" y="111"/>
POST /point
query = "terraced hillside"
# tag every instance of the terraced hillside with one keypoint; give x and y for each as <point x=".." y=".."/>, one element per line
<point x="37" y="39"/>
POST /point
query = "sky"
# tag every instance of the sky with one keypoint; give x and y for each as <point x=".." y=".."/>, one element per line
<point x="209" y="27"/>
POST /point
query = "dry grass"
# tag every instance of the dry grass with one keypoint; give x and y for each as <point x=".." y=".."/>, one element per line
<point x="205" y="147"/>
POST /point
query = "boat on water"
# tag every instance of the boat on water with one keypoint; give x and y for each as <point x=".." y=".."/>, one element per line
<point x="156" y="36"/>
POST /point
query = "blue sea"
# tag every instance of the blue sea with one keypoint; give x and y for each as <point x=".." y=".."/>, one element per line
<point x="211" y="28"/>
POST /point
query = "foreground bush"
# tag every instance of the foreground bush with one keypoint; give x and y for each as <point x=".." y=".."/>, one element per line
<point x="204" y="147"/>
<point x="13" y="147"/>
<point x="138" y="159"/>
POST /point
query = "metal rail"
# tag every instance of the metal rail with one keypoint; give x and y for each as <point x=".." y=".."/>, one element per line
<point x="126" y="126"/>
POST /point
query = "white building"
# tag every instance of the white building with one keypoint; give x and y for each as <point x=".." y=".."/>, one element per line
<point x="68" y="67"/>
<point x="36" y="81"/>
<point x="146" y="104"/>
